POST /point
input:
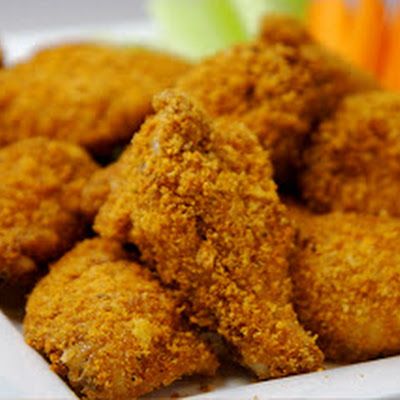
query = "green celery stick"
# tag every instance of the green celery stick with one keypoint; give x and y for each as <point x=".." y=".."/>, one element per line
<point x="196" y="28"/>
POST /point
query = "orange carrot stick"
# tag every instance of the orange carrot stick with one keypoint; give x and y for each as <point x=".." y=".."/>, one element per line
<point x="329" y="22"/>
<point x="391" y="73"/>
<point x="314" y="19"/>
<point x="367" y="34"/>
<point x="385" y="46"/>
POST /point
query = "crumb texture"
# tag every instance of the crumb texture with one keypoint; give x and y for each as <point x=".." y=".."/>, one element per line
<point x="109" y="328"/>
<point x="353" y="162"/>
<point x="90" y="94"/>
<point x="199" y="201"/>
<point x="346" y="278"/>
<point x="279" y="86"/>
<point x="40" y="202"/>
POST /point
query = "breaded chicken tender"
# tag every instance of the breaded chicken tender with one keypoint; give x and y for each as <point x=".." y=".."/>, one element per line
<point x="109" y="328"/>
<point x="199" y="202"/>
<point x="40" y="195"/>
<point x="346" y="277"/>
<point x="90" y="94"/>
<point x="353" y="161"/>
<point x="100" y="184"/>
<point x="279" y="85"/>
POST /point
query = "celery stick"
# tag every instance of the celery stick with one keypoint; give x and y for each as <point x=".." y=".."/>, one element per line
<point x="196" y="28"/>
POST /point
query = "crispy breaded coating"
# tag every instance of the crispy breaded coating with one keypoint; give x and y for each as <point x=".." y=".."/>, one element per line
<point x="199" y="202"/>
<point x="90" y="94"/>
<point x="346" y="278"/>
<point x="100" y="184"/>
<point x="352" y="163"/>
<point x="109" y="328"/>
<point x="284" y="29"/>
<point x="279" y="85"/>
<point x="40" y="194"/>
<point x="290" y="31"/>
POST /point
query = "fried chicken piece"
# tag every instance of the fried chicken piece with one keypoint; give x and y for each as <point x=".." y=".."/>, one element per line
<point x="352" y="163"/>
<point x="100" y="184"/>
<point x="40" y="194"/>
<point x="291" y="32"/>
<point x="109" y="328"/>
<point x="346" y="277"/>
<point x="199" y="202"/>
<point x="90" y="94"/>
<point x="279" y="85"/>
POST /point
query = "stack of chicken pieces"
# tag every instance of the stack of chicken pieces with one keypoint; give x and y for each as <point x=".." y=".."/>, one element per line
<point x="167" y="216"/>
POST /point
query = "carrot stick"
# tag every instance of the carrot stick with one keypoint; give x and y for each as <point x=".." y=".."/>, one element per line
<point x="367" y="35"/>
<point x="315" y="16"/>
<point x="329" y="23"/>
<point x="391" y="73"/>
<point x="385" y="46"/>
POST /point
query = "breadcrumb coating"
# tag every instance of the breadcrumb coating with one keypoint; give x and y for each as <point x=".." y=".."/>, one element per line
<point x="40" y="194"/>
<point x="90" y="94"/>
<point x="279" y="85"/>
<point x="109" y="328"/>
<point x="346" y="277"/>
<point x="276" y="28"/>
<point x="352" y="163"/>
<point x="199" y="202"/>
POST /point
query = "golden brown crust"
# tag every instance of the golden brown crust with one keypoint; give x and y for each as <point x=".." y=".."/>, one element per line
<point x="276" y="28"/>
<point x="280" y="86"/>
<point x="352" y="163"/>
<point x="109" y="328"/>
<point x="40" y="194"/>
<point x="91" y="94"/>
<point x="346" y="279"/>
<point x="199" y="201"/>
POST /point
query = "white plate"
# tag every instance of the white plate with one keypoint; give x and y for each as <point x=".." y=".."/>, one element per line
<point x="25" y="375"/>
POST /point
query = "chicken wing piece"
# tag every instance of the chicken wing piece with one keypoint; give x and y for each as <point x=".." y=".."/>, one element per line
<point x="352" y="163"/>
<point x="40" y="195"/>
<point x="109" y="328"/>
<point x="279" y="85"/>
<point x="90" y="94"/>
<point x="346" y="277"/>
<point x="199" y="202"/>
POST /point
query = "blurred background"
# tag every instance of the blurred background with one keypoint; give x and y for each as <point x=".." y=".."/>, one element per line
<point x="365" y="32"/>
<point x="18" y="15"/>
